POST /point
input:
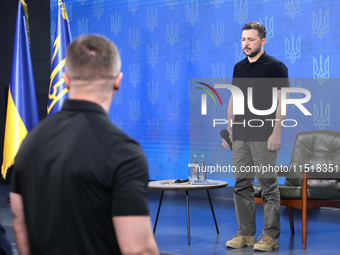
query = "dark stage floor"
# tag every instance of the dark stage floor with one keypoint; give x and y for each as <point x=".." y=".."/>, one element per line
<point x="171" y="234"/>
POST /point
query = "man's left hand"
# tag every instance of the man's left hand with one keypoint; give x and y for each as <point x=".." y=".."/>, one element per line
<point x="274" y="142"/>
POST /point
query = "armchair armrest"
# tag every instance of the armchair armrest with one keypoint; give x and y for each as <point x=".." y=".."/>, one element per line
<point x="321" y="175"/>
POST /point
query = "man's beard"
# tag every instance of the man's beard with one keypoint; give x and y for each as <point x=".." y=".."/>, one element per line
<point x="254" y="53"/>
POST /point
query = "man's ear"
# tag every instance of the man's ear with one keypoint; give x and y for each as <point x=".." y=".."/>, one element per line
<point x="263" y="41"/>
<point x="67" y="80"/>
<point x="116" y="83"/>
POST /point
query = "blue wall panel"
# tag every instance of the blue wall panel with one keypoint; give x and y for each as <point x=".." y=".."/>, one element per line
<point x="165" y="43"/>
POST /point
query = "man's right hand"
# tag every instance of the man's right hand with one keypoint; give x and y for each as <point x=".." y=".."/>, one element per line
<point x="225" y="144"/>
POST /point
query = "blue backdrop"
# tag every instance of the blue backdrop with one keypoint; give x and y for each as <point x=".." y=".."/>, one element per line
<point x="163" y="44"/>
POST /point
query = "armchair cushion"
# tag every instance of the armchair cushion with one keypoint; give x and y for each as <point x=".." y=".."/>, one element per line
<point x="295" y="192"/>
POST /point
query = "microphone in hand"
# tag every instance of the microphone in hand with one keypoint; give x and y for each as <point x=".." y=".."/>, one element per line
<point x="225" y="135"/>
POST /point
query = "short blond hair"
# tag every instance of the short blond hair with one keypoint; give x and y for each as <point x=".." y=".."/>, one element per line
<point x="91" y="57"/>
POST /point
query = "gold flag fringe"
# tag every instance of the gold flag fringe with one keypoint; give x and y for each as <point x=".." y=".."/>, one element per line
<point x="24" y="5"/>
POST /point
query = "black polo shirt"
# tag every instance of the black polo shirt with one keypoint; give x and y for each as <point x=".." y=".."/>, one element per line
<point x="75" y="171"/>
<point x="262" y="76"/>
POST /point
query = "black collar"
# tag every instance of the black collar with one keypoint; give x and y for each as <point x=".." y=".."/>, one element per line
<point x="82" y="105"/>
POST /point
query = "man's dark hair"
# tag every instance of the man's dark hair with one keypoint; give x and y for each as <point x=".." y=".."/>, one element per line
<point x="257" y="26"/>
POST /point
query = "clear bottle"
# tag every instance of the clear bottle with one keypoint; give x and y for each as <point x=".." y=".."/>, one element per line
<point x="194" y="170"/>
<point x="203" y="171"/>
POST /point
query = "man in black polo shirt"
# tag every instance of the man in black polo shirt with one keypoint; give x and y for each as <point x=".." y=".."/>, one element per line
<point x="79" y="183"/>
<point x="256" y="137"/>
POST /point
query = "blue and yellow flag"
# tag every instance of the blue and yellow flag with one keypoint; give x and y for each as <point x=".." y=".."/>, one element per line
<point x="58" y="92"/>
<point x="22" y="109"/>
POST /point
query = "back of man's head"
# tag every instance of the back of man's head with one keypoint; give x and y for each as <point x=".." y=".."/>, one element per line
<point x="92" y="57"/>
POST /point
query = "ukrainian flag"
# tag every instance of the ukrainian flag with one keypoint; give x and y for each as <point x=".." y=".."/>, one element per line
<point x="22" y="109"/>
<point x="58" y="91"/>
